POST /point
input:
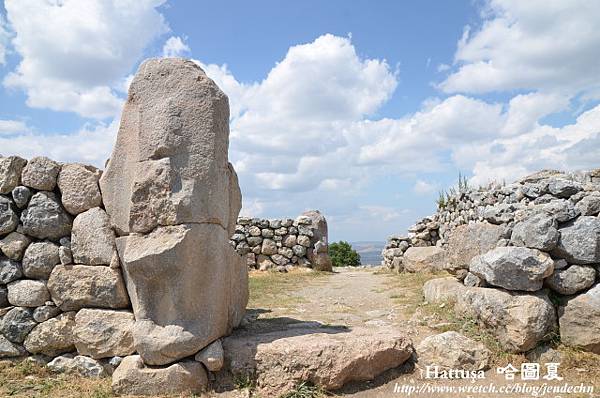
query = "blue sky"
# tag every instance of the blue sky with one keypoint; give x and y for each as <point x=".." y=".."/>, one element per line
<point x="364" y="111"/>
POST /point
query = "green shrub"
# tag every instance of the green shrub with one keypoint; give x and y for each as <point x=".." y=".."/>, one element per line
<point x="343" y="255"/>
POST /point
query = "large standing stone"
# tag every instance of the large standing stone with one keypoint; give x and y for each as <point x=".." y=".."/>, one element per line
<point x="579" y="241"/>
<point x="8" y="216"/>
<point x="571" y="280"/>
<point x="39" y="260"/>
<point x="518" y="320"/>
<point x="14" y="244"/>
<point x="132" y="377"/>
<point x="206" y="280"/>
<point x="27" y="293"/>
<point x="93" y="241"/>
<point x="40" y="173"/>
<point x="580" y="321"/>
<point x="452" y="350"/>
<point x="536" y="232"/>
<point x="45" y="217"/>
<point x="53" y="337"/>
<point x="77" y="286"/>
<point x="169" y="165"/>
<point x="104" y="333"/>
<point x="319" y="255"/>
<point x="325" y="358"/>
<point x="424" y="259"/>
<point x="10" y="173"/>
<point x="470" y="240"/>
<point x="79" y="188"/>
<point x="513" y="268"/>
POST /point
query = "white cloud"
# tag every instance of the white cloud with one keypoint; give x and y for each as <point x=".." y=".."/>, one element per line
<point x="175" y="47"/>
<point x="10" y="127"/>
<point x="76" y="53"/>
<point x="548" y="45"/>
<point x="4" y="39"/>
<point x="423" y="187"/>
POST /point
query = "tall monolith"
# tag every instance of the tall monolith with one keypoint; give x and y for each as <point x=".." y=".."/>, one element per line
<point x="173" y="198"/>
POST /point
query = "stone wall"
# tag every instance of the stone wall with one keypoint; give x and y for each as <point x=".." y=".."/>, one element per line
<point x="61" y="288"/>
<point x="280" y="243"/>
<point x="529" y="250"/>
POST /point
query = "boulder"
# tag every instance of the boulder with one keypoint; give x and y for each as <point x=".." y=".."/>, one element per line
<point x="40" y="259"/>
<point x="45" y="217"/>
<point x="53" y="337"/>
<point x="79" y="188"/>
<point x="269" y="247"/>
<point x="571" y="280"/>
<point x="92" y="240"/>
<point x="133" y="377"/>
<point x="518" y="320"/>
<point x="579" y="241"/>
<point x="442" y="290"/>
<point x="424" y="259"/>
<point x="169" y="165"/>
<point x="80" y="365"/>
<point x="513" y="268"/>
<point x="563" y="188"/>
<point x="589" y="205"/>
<point x="472" y="280"/>
<point x="562" y="210"/>
<point x="77" y="286"/>
<point x="21" y="196"/>
<point x="209" y="281"/>
<point x="579" y="321"/>
<point x="319" y="256"/>
<point x="9" y="349"/>
<point x="27" y="293"/>
<point x="45" y="312"/>
<point x="40" y="173"/>
<point x="470" y="240"/>
<point x="14" y="244"/>
<point x="9" y="220"/>
<point x="452" y="350"/>
<point x="16" y="324"/>
<point x="212" y="356"/>
<point x="104" y="333"/>
<point x="10" y="270"/>
<point x="10" y="173"/>
<point x="536" y="232"/>
<point x="324" y="357"/>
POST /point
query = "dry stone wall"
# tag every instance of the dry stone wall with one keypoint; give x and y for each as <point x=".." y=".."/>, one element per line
<point x="283" y="243"/>
<point x="529" y="250"/>
<point x="61" y="289"/>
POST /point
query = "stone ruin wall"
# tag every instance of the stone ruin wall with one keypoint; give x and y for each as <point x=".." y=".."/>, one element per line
<point x="280" y="243"/>
<point x="526" y="250"/>
<point x="61" y="287"/>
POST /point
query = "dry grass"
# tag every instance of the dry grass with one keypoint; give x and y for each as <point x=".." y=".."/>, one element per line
<point x="276" y="289"/>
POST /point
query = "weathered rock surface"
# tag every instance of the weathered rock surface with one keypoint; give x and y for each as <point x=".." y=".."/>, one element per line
<point x="470" y="240"/>
<point x="40" y="173"/>
<point x="441" y="290"/>
<point x="589" y="205"/>
<point x="169" y="165"/>
<point x="579" y="241"/>
<point x="328" y="358"/>
<point x="571" y="280"/>
<point x="204" y="286"/>
<point x="79" y="188"/>
<point x="21" y="196"/>
<point x="319" y="256"/>
<point x="16" y="324"/>
<point x="81" y="365"/>
<point x="45" y="217"/>
<point x="14" y="244"/>
<point x="536" y="232"/>
<point x="45" y="312"/>
<point x="212" y="356"/>
<point x="78" y="286"/>
<point x="53" y="337"/>
<point x="424" y="259"/>
<point x="132" y="377"/>
<point x="518" y="320"/>
<point x="40" y="259"/>
<point x="10" y="270"/>
<point x="8" y="216"/>
<point x="92" y="241"/>
<point x="472" y="280"/>
<point x="9" y="349"/>
<point x="10" y="173"/>
<point x="27" y="293"/>
<point x="104" y="333"/>
<point x="579" y="321"/>
<point x="452" y="350"/>
<point x="513" y="268"/>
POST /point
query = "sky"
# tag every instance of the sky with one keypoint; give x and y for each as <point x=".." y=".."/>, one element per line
<point x="364" y="110"/>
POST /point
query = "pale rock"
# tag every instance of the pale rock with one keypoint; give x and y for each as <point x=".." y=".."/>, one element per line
<point x="104" y="333"/>
<point x="45" y="312"/>
<point x="290" y="241"/>
<point x="264" y="262"/>
<point x="212" y="356"/>
<point x="304" y="241"/>
<point x="92" y="239"/>
<point x="21" y="196"/>
<point x="269" y="247"/>
<point x="470" y="240"/>
<point x="81" y="365"/>
<point x="424" y="259"/>
<point x="9" y="220"/>
<point x="14" y="244"/>
<point x="27" y="293"/>
<point x="53" y="337"/>
<point x="65" y="255"/>
<point x="133" y="377"/>
<point x="79" y="188"/>
<point x="10" y="173"/>
<point x="571" y="280"/>
<point x="536" y="232"/>
<point x="40" y="173"/>
<point x="579" y="321"/>
<point x="40" y="259"/>
<point x="579" y="241"/>
<point x="77" y="286"/>
<point x="9" y="349"/>
<point x="10" y="270"/>
<point x="452" y="350"/>
<point x="472" y="280"/>
<point x="442" y="290"/>
<point x="589" y="205"/>
<point x="563" y="188"/>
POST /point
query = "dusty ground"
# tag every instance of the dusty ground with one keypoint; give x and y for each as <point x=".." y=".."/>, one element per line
<point x="348" y="297"/>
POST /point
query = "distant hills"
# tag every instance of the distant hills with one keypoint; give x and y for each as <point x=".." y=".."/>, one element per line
<point x="370" y="251"/>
